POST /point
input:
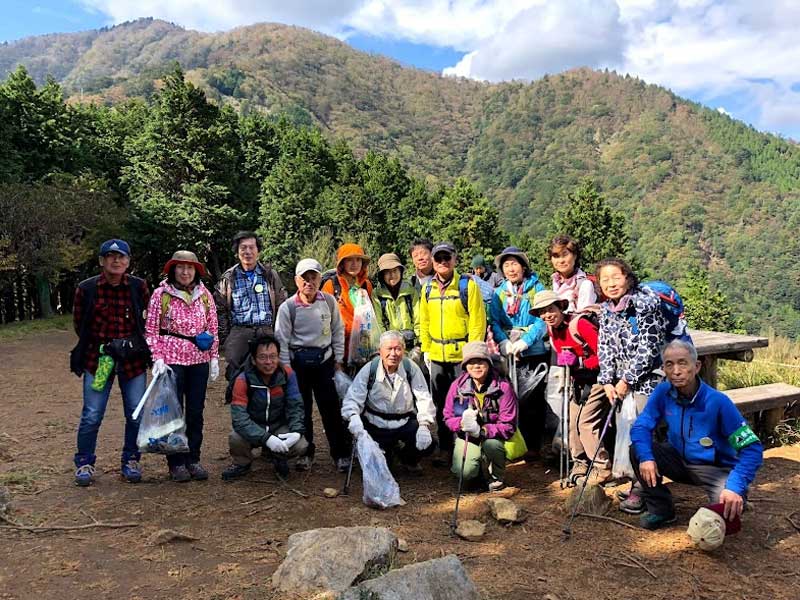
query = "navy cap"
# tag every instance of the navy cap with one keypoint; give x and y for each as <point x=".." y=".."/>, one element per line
<point x="443" y="247"/>
<point x="120" y="246"/>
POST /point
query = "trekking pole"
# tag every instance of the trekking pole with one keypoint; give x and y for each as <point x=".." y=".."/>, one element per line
<point x="512" y="374"/>
<point x="567" y="530"/>
<point x="346" y="488"/>
<point x="564" y="456"/>
<point x="454" y="524"/>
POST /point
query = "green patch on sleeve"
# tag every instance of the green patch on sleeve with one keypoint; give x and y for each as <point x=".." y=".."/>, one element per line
<point x="742" y="437"/>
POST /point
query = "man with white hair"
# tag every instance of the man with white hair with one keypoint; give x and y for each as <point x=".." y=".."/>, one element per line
<point x="708" y="444"/>
<point x="393" y="395"/>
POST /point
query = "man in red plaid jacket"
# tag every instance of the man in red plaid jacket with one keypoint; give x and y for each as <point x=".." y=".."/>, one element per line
<point x="109" y="307"/>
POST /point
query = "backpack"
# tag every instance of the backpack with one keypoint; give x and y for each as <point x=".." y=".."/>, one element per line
<point x="331" y="304"/>
<point x="167" y="298"/>
<point x="384" y="300"/>
<point x="239" y="371"/>
<point x="463" y="290"/>
<point x="592" y="314"/>
<point x="373" y="373"/>
<point x="671" y="308"/>
<point x="89" y="289"/>
<point x="331" y="275"/>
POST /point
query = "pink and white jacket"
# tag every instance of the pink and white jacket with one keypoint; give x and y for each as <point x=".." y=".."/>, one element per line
<point x="187" y="314"/>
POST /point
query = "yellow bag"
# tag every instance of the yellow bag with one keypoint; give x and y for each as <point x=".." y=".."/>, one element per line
<point x="516" y="446"/>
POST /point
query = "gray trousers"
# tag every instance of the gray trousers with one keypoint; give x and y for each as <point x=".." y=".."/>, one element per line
<point x="236" y="346"/>
<point x="242" y="451"/>
<point x="670" y="463"/>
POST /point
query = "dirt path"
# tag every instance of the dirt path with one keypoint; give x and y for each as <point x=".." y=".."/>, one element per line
<point x="240" y="543"/>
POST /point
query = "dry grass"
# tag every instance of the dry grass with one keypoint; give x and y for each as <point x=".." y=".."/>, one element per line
<point x="778" y="362"/>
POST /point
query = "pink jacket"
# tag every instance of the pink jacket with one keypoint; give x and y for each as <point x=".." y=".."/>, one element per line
<point x="187" y="315"/>
<point x="497" y="417"/>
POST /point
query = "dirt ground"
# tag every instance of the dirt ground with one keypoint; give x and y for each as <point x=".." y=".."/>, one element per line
<point x="241" y="538"/>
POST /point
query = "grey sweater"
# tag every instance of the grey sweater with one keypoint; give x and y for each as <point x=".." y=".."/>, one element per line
<point x="314" y="326"/>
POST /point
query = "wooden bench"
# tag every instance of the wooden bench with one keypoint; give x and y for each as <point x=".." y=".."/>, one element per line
<point x="771" y="399"/>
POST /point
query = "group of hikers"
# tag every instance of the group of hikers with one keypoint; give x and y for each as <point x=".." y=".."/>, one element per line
<point x="445" y="378"/>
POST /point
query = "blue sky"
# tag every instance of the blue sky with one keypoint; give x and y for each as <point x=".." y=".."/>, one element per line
<point x="737" y="56"/>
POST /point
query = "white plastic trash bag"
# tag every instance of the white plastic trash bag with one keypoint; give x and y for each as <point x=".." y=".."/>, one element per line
<point x="342" y="383"/>
<point x="554" y="394"/>
<point x="622" y="466"/>
<point x="380" y="488"/>
<point x="162" y="429"/>
<point x="366" y="333"/>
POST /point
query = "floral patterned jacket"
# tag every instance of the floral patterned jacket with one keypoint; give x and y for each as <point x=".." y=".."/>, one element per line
<point x="630" y="342"/>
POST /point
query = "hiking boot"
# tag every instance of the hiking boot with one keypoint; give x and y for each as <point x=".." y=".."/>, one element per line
<point x="343" y="464"/>
<point x="235" y="471"/>
<point x="442" y="459"/>
<point x="653" y="522"/>
<point x="304" y="463"/>
<point x="132" y="471"/>
<point x="496" y="485"/>
<point x="84" y="475"/>
<point x="179" y="474"/>
<point x="281" y="467"/>
<point x="578" y="471"/>
<point x="633" y="504"/>
<point x="197" y="472"/>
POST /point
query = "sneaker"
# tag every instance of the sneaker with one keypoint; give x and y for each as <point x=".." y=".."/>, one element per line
<point x="132" y="471"/>
<point x="633" y="504"/>
<point x="235" y="471"/>
<point x="197" y="471"/>
<point x="579" y="470"/>
<point x="343" y="464"/>
<point x="179" y="474"/>
<point x="281" y="467"/>
<point x="496" y="485"/>
<point x="84" y="475"/>
<point x="652" y="522"/>
<point x="304" y="463"/>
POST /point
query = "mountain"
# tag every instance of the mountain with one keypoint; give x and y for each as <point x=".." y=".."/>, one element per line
<point x="699" y="188"/>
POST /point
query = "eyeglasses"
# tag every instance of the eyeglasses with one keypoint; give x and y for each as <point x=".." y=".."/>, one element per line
<point x="267" y="357"/>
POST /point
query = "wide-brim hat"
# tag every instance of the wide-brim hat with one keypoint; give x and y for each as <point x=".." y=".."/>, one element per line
<point x="473" y="350"/>
<point x="544" y="299"/>
<point x="184" y="256"/>
<point x="350" y="251"/>
<point x="512" y="251"/>
<point x="389" y="261"/>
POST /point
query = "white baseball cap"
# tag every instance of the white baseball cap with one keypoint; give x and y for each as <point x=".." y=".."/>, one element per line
<point x="707" y="529"/>
<point x="306" y="265"/>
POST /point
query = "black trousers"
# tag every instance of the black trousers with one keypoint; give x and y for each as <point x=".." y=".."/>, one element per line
<point x="443" y="375"/>
<point x="387" y="439"/>
<point x="317" y="383"/>
<point x="192" y="381"/>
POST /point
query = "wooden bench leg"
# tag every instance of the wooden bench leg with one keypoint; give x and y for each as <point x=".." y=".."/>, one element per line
<point x="708" y="372"/>
<point x="772" y="418"/>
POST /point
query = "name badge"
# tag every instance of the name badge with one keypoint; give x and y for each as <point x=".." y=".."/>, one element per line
<point x="706" y="442"/>
<point x="258" y="288"/>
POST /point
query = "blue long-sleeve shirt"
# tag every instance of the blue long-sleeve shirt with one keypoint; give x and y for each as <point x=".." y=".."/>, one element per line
<point x="710" y="415"/>
<point x="533" y="327"/>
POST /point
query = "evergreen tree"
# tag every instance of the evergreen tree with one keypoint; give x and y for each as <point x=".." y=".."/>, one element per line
<point x="706" y="309"/>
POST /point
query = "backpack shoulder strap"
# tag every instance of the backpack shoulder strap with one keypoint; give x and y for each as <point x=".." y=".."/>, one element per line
<point x="410" y="306"/>
<point x="383" y="301"/>
<point x="572" y="326"/>
<point x="373" y="373"/>
<point x="463" y="291"/>
<point x="409" y="376"/>
<point x="428" y="287"/>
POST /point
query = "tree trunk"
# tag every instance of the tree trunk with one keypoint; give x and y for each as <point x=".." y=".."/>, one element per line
<point x="43" y="292"/>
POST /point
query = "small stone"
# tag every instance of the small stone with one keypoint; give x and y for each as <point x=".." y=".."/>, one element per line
<point x="594" y="501"/>
<point x="472" y="531"/>
<point x="550" y="597"/>
<point x="505" y="511"/>
<point x="330" y="492"/>
<point x="166" y="536"/>
<point x="402" y="545"/>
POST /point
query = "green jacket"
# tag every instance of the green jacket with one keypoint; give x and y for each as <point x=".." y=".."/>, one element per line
<point x="399" y="314"/>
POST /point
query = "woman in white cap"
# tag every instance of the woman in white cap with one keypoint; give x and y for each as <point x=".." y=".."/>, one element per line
<point x="182" y="334"/>
<point x="397" y="299"/>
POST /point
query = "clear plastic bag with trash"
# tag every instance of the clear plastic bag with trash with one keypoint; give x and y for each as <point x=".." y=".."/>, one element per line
<point x="162" y="429"/>
<point x="380" y="488"/>
<point x="342" y="383"/>
<point x="366" y="332"/>
<point x="622" y="466"/>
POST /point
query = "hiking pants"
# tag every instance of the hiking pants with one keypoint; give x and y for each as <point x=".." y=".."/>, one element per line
<point x="236" y="346"/>
<point x="316" y="382"/>
<point x="242" y="451"/>
<point x="443" y="374"/>
<point x="388" y="440"/>
<point x="586" y="419"/>
<point x="94" y="408"/>
<point x="192" y="381"/>
<point x="671" y="464"/>
<point x="487" y="459"/>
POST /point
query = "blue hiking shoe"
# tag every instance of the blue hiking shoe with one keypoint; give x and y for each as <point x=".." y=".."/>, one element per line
<point x="84" y="475"/>
<point x="132" y="471"/>
<point x="653" y="522"/>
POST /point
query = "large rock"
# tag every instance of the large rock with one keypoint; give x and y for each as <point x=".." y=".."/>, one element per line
<point x="469" y="530"/>
<point x="438" y="579"/>
<point x="594" y="501"/>
<point x="334" y="559"/>
<point x="505" y="511"/>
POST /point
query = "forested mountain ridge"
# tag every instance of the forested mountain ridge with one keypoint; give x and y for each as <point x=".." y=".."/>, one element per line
<point x="699" y="189"/>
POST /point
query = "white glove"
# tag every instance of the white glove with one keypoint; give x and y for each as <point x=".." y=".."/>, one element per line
<point x="424" y="438"/>
<point x="289" y="438"/>
<point x="355" y="426"/>
<point x="518" y="347"/>
<point x="159" y="367"/>
<point x="505" y="347"/>
<point x="471" y="428"/>
<point x="213" y="369"/>
<point x="469" y="418"/>
<point x="277" y="445"/>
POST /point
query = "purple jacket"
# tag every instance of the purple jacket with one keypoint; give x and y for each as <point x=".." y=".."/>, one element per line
<point x="497" y="417"/>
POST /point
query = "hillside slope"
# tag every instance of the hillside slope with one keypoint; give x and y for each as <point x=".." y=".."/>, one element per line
<point x="700" y="189"/>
